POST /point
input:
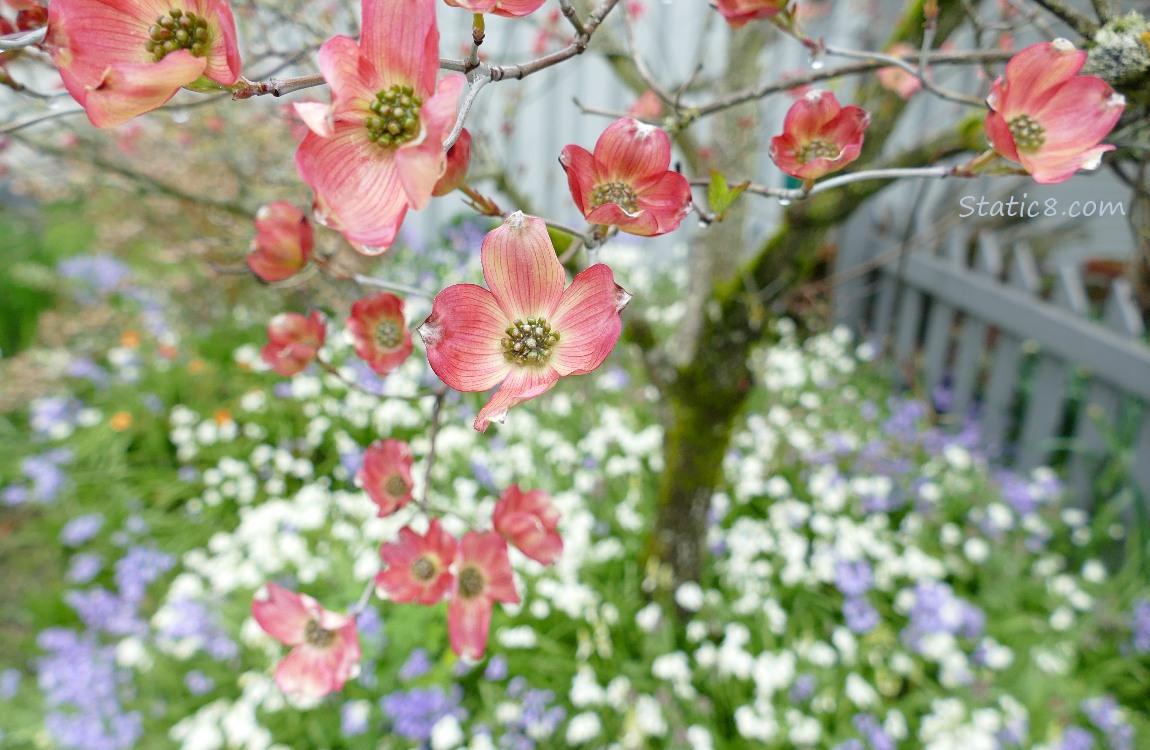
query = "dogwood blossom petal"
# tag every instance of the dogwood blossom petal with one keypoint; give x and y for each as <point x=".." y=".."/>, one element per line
<point x="588" y="315"/>
<point x="462" y="337"/>
<point x="522" y="384"/>
<point x="520" y="267"/>
<point x="632" y="152"/>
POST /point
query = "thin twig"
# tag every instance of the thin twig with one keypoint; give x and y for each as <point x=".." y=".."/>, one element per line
<point x="1103" y="10"/>
<point x="476" y="80"/>
<point x="390" y="286"/>
<point x="22" y="39"/>
<point x="436" y="411"/>
<point x="1071" y="17"/>
<point x="798" y="194"/>
<point x="477" y="32"/>
<point x="871" y="62"/>
<point x="571" y="16"/>
<point x="277" y="86"/>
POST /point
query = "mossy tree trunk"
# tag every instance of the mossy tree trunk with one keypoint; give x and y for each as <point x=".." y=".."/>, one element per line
<point x="708" y="380"/>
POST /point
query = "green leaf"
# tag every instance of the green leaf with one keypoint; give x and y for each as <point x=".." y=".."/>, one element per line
<point x="721" y="195"/>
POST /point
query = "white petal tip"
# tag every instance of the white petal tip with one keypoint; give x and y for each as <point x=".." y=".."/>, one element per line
<point x="1063" y="45"/>
<point x="516" y="220"/>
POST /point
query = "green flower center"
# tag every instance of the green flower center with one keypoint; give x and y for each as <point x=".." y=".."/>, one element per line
<point x="817" y="149"/>
<point x="316" y="636"/>
<point x="395" y="118"/>
<point x="1028" y="134"/>
<point x="619" y="193"/>
<point x="388" y="334"/>
<point x="179" y="29"/>
<point x="529" y="343"/>
<point x="471" y="582"/>
<point x="423" y="569"/>
<point x="395" y="486"/>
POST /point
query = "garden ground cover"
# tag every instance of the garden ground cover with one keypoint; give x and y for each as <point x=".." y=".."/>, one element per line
<point x="874" y="582"/>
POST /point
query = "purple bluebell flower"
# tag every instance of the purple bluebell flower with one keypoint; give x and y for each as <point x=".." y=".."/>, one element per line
<point x="137" y="569"/>
<point x="1076" y="738"/>
<point x="1140" y="626"/>
<point x="352" y="461"/>
<point x="198" y="683"/>
<point x="50" y="413"/>
<point x="496" y="669"/>
<point x="417" y="665"/>
<point x="103" y="611"/>
<point x="195" y="621"/>
<point x="413" y="713"/>
<point x="852" y="744"/>
<point x="860" y="616"/>
<point x="803" y="688"/>
<point x="1106" y="716"/>
<point x="853" y="577"/>
<point x="937" y="610"/>
<point x="86" y="369"/>
<point x="101" y="272"/>
<point x="370" y="626"/>
<point x="871" y="730"/>
<point x="353" y="720"/>
<point x="1014" y="733"/>
<point x="282" y="389"/>
<point x="9" y="684"/>
<point x="81" y="529"/>
<point x="83" y="567"/>
<point x="46" y="476"/>
<point x="615" y="379"/>
<point x="187" y="474"/>
<point x="81" y="685"/>
<point x="15" y="494"/>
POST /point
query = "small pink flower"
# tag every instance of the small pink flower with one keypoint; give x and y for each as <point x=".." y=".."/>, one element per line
<point x="484" y="577"/>
<point x="626" y="182"/>
<point x="386" y="474"/>
<point x="326" y="645"/>
<point x="505" y="8"/>
<point x="530" y="522"/>
<point x="379" y="331"/>
<point x="647" y="107"/>
<point x="739" y="12"/>
<point x="418" y="567"/>
<point x="1048" y="118"/>
<point x="293" y="342"/>
<point x="896" y="79"/>
<point x="377" y="149"/>
<point x="283" y="243"/>
<point x="124" y="58"/>
<point x="527" y="332"/>
<point x="819" y="136"/>
<point x="458" y="160"/>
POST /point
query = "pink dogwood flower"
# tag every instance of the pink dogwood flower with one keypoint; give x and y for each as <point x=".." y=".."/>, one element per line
<point x="505" y="8"/>
<point x="458" y="161"/>
<point x="484" y="577"/>
<point x="386" y="474"/>
<point x="418" y="567"/>
<point x="529" y="521"/>
<point x="819" y="136"/>
<point x="122" y="58"/>
<point x="1048" y="118"/>
<point x="379" y="332"/>
<point x="326" y="644"/>
<point x="377" y="149"/>
<point x="896" y="79"/>
<point x="293" y="342"/>
<point x="626" y="183"/>
<point x="283" y="243"/>
<point x="739" y="12"/>
<point x="527" y="331"/>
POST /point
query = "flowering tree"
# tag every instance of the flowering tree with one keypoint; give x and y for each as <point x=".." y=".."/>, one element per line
<point x="391" y="137"/>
